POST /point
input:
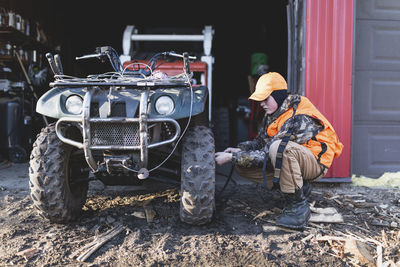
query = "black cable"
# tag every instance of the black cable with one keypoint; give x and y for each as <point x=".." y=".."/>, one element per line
<point x="156" y="67"/>
<point x="153" y="61"/>
<point x="113" y="57"/>
<point x="227" y="181"/>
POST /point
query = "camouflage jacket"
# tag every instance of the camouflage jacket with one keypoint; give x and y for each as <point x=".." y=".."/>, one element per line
<point x="253" y="152"/>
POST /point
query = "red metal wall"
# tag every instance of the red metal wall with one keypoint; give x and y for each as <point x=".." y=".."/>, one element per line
<point x="328" y="69"/>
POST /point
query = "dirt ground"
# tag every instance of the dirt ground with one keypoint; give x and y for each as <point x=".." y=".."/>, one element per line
<point x="241" y="234"/>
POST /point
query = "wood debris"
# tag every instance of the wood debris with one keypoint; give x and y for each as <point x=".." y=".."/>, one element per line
<point x="263" y="214"/>
<point x="315" y="225"/>
<point x="379" y="256"/>
<point x="316" y="192"/>
<point x="354" y="195"/>
<point x="361" y="203"/>
<point x="326" y="218"/>
<point x="357" y="248"/>
<point x="99" y="241"/>
<point x="384" y="238"/>
<point x="149" y="213"/>
<point x="361" y="248"/>
<point x="304" y="239"/>
<point x="382" y="223"/>
<point x="337" y="201"/>
<point x="272" y="228"/>
<point x="330" y="238"/>
<point x="334" y="197"/>
<point x="324" y="210"/>
<point x="28" y="253"/>
<point x="139" y="214"/>
<point x="325" y="215"/>
<point x="359" y="251"/>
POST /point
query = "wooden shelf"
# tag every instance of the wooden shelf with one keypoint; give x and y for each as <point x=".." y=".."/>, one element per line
<point x="18" y="38"/>
<point x="6" y="58"/>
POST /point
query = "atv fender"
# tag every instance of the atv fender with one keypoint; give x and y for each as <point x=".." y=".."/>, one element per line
<point x="181" y="98"/>
<point x="52" y="103"/>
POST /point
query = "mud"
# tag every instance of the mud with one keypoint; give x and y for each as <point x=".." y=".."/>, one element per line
<point x="233" y="238"/>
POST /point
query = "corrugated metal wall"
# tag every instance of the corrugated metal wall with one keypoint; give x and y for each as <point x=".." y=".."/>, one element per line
<point x="328" y="69"/>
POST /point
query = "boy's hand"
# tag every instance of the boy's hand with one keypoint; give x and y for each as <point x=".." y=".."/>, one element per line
<point x="222" y="157"/>
<point x="232" y="150"/>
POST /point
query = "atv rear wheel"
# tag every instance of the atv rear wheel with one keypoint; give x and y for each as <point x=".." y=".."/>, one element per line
<point x="54" y="171"/>
<point x="197" y="176"/>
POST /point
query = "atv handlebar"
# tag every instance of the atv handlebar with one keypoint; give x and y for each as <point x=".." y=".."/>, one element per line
<point x="109" y="52"/>
<point x="98" y="55"/>
<point x="88" y="56"/>
<point x="173" y="54"/>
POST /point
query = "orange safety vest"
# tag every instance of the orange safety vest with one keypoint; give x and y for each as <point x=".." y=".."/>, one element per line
<point x="325" y="146"/>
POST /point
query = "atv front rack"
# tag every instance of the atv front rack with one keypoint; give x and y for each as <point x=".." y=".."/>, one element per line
<point x="116" y="83"/>
<point x="121" y="79"/>
<point x="136" y="129"/>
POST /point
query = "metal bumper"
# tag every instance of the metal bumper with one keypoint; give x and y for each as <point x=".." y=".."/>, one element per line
<point x="88" y="123"/>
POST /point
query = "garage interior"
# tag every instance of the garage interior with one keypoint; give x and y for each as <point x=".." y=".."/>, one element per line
<point x="72" y="28"/>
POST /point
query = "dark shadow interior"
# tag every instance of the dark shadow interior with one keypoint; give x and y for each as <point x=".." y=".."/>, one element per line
<point x="77" y="27"/>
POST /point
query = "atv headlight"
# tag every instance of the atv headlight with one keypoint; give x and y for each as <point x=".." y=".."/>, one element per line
<point x="74" y="104"/>
<point x="164" y="105"/>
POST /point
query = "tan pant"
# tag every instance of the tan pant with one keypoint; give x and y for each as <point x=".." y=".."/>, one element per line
<point x="298" y="163"/>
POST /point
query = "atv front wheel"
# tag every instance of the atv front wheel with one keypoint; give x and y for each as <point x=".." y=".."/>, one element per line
<point x="54" y="174"/>
<point x="197" y="176"/>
